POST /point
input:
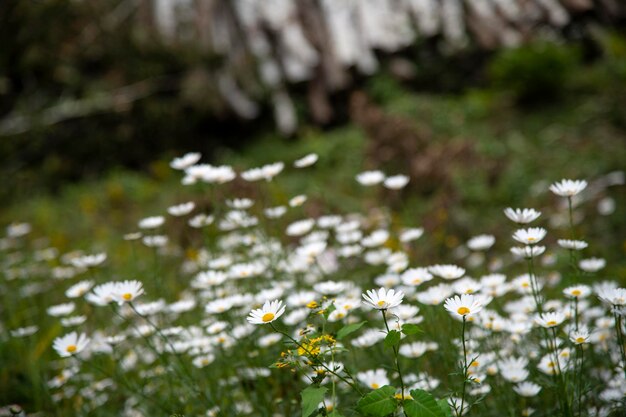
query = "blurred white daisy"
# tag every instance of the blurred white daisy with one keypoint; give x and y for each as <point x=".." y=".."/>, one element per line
<point x="70" y="344"/>
<point x="306" y="161"/>
<point x="568" y="188"/>
<point x="522" y="216"/>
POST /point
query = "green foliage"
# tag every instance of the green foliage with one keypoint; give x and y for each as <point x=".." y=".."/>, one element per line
<point x="392" y="338"/>
<point x="423" y="404"/>
<point x="379" y="402"/>
<point x="443" y="404"/>
<point x="350" y="328"/>
<point x="410" y="329"/>
<point x="311" y="398"/>
<point x="534" y="72"/>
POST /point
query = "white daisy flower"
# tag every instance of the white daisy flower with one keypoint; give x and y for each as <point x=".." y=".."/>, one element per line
<point x="568" y="188"/>
<point x="530" y="236"/>
<point x="528" y="251"/>
<point x="577" y="291"/>
<point x="579" y="337"/>
<point x="408" y="235"/>
<point x="79" y="289"/>
<point x="527" y="389"/>
<point x="383" y="299"/>
<point x="447" y="271"/>
<point x="572" y="244"/>
<point x="201" y="220"/>
<point x="88" y="261"/>
<point x="300" y="227"/>
<point x="416" y="276"/>
<point x="481" y="242"/>
<point x="181" y="209"/>
<point x="306" y="161"/>
<point x="151" y="222"/>
<point x="185" y="161"/>
<point x="374" y="379"/>
<point x="70" y="344"/>
<point x="127" y="291"/>
<point x="522" y="216"/>
<point x="463" y="306"/>
<point x="551" y="319"/>
<point x="298" y="200"/>
<point x="370" y="177"/>
<point x="612" y="296"/>
<point x="268" y="313"/>
<point x="396" y="182"/>
<point x="592" y="264"/>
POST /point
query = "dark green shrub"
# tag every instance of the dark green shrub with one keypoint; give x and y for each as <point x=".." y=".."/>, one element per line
<point x="533" y="73"/>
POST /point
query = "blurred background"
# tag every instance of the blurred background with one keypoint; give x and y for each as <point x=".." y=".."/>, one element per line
<point x="477" y="101"/>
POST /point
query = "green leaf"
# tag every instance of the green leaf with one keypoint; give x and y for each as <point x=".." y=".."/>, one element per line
<point x="409" y="329"/>
<point x="378" y="403"/>
<point x="392" y="338"/>
<point x="335" y="413"/>
<point x="423" y="404"/>
<point x="350" y="328"/>
<point x="311" y="399"/>
<point x="445" y="407"/>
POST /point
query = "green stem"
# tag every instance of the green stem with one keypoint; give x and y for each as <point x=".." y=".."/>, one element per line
<point x="124" y="383"/>
<point x="620" y="337"/>
<point x="580" y="381"/>
<point x="395" y="353"/>
<point x="534" y="286"/>
<point x="561" y="378"/>
<point x="183" y="364"/>
<point x="460" y="412"/>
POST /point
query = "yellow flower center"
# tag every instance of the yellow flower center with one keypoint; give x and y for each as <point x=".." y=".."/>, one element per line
<point x="267" y="317"/>
<point x="417" y="281"/>
<point x="580" y="340"/>
<point x="525" y="285"/>
<point x="347" y="306"/>
<point x="128" y="296"/>
<point x="463" y="311"/>
<point x="312" y="304"/>
<point x="205" y="361"/>
<point x="375" y="385"/>
<point x="576" y="293"/>
<point x="71" y="348"/>
<point x="381" y="303"/>
<point x="469" y="291"/>
<point x="551" y="323"/>
<point x="531" y="239"/>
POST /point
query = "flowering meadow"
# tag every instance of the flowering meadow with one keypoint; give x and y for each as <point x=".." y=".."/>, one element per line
<point x="239" y="302"/>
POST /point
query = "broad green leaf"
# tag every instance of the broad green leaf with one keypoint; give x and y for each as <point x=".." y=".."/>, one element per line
<point x="350" y="328"/>
<point x="378" y="403"/>
<point x="423" y="404"/>
<point x="392" y="338"/>
<point x="335" y="413"/>
<point x="445" y="407"/>
<point x="311" y="399"/>
<point x="410" y="328"/>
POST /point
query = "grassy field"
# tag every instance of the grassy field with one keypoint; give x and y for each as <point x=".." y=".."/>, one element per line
<point x="185" y="347"/>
